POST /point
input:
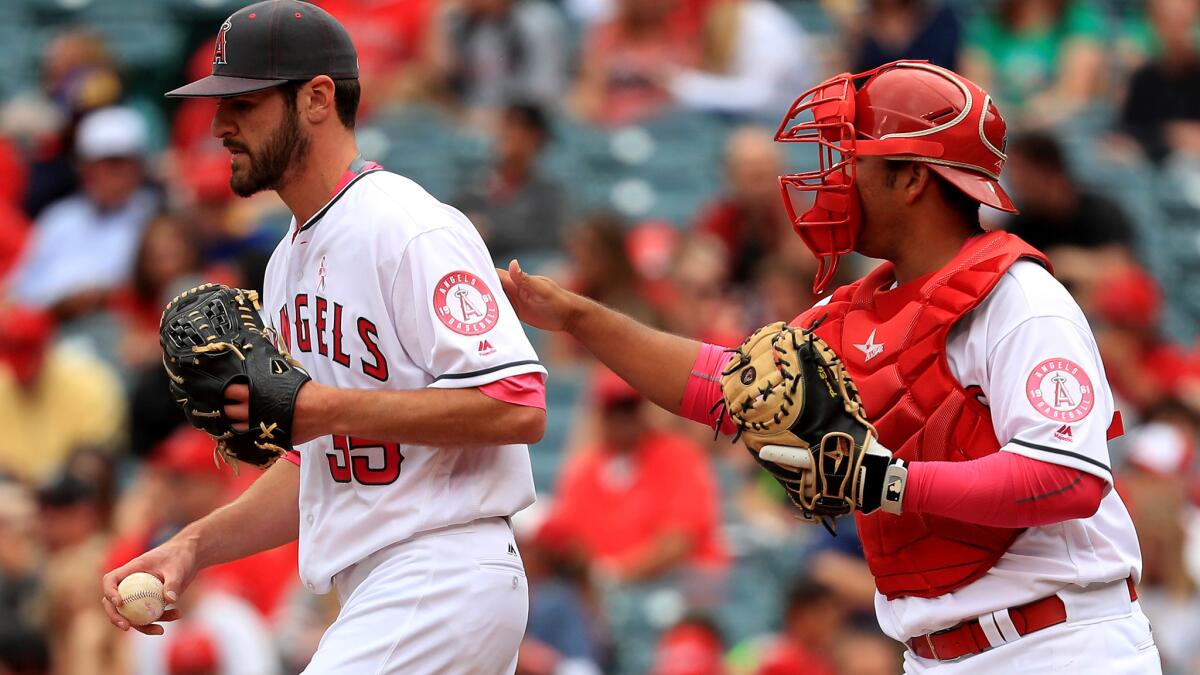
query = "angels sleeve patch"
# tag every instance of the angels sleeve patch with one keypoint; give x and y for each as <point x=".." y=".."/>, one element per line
<point x="1060" y="390"/>
<point x="465" y="304"/>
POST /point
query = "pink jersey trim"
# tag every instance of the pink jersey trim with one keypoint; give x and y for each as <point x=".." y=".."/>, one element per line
<point x="527" y="389"/>
<point x="293" y="456"/>
<point x="349" y="175"/>
<point x="1003" y="489"/>
<point x="703" y="391"/>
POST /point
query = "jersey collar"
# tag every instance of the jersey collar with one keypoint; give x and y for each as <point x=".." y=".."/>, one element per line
<point x="358" y="168"/>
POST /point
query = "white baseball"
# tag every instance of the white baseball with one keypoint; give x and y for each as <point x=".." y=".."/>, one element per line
<point x="141" y="598"/>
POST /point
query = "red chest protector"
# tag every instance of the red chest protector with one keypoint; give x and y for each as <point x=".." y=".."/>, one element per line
<point x="893" y="342"/>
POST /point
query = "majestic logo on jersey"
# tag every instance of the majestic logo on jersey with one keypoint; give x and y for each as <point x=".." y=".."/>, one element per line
<point x="486" y="348"/>
<point x="1064" y="434"/>
<point x="321" y="275"/>
<point x="465" y="304"/>
<point x="219" y="50"/>
<point x="1060" y="390"/>
<point x="869" y="348"/>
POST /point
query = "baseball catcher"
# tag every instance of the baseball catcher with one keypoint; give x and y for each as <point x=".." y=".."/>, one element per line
<point x="800" y="416"/>
<point x="999" y="539"/>
<point x="212" y="336"/>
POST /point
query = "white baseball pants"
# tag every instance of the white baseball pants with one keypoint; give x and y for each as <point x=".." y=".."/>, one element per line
<point x="443" y="603"/>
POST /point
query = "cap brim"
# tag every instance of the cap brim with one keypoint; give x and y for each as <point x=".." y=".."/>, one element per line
<point x="222" y="86"/>
<point x="979" y="187"/>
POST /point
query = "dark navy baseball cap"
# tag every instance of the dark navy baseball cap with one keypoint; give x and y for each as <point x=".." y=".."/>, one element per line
<point x="270" y="43"/>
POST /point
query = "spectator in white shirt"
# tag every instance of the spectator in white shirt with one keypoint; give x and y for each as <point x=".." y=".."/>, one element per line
<point x="83" y="246"/>
<point x="757" y="60"/>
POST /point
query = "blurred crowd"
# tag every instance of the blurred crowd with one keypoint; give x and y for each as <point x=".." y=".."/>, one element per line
<point x="624" y="147"/>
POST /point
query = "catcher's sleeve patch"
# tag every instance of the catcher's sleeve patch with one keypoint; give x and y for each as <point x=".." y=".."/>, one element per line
<point x="1060" y="390"/>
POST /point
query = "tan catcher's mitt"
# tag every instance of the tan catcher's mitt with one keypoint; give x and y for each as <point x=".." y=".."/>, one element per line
<point x="212" y="337"/>
<point x="800" y="416"/>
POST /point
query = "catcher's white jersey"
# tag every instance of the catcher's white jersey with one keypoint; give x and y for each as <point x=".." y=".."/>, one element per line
<point x="387" y="288"/>
<point x="1029" y="353"/>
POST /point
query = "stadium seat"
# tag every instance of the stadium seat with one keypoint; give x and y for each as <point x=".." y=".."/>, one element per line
<point x="19" y="68"/>
<point x="419" y="143"/>
<point x="564" y="390"/>
<point x="200" y="10"/>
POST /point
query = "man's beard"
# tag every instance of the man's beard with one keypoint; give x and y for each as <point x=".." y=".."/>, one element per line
<point x="286" y="147"/>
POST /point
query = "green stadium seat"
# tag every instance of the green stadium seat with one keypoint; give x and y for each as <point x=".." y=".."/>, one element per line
<point x="18" y="34"/>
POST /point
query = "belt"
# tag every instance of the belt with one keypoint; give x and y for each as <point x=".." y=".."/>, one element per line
<point x="972" y="637"/>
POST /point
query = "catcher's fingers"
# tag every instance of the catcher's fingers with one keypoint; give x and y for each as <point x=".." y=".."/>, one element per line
<point x="237" y="406"/>
<point x="796" y="458"/>
<point x="515" y="282"/>
<point x="537" y="300"/>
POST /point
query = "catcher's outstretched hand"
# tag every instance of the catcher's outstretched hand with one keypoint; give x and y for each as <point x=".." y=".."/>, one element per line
<point x="539" y="301"/>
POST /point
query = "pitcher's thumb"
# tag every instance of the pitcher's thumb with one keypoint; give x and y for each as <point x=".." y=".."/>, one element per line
<point x="171" y="592"/>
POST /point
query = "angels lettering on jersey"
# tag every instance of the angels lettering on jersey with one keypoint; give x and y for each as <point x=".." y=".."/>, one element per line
<point x="326" y="328"/>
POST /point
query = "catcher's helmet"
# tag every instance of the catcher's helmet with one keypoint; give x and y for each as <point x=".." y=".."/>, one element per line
<point x="909" y="110"/>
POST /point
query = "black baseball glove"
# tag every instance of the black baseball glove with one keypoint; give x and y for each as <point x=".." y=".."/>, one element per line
<point x="212" y="337"/>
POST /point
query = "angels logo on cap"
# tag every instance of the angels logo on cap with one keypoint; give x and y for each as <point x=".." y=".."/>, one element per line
<point x="276" y="41"/>
<point x="219" y="49"/>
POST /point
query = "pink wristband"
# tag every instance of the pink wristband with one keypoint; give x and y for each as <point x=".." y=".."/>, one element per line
<point x="703" y="391"/>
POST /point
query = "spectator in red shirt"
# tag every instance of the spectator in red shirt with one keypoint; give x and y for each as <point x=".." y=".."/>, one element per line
<point x="192" y="651"/>
<point x="14" y="226"/>
<point x="1146" y="370"/>
<point x="626" y="61"/>
<point x="813" y="618"/>
<point x="749" y="217"/>
<point x="641" y="502"/>
<point x="692" y="647"/>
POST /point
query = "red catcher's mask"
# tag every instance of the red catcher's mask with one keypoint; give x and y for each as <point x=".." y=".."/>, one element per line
<point x="905" y="110"/>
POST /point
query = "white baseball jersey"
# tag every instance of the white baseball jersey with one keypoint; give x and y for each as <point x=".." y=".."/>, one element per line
<point x="1030" y="352"/>
<point x="387" y="288"/>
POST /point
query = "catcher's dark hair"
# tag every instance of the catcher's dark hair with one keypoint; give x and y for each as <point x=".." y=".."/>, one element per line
<point x="346" y="97"/>
<point x="963" y="205"/>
